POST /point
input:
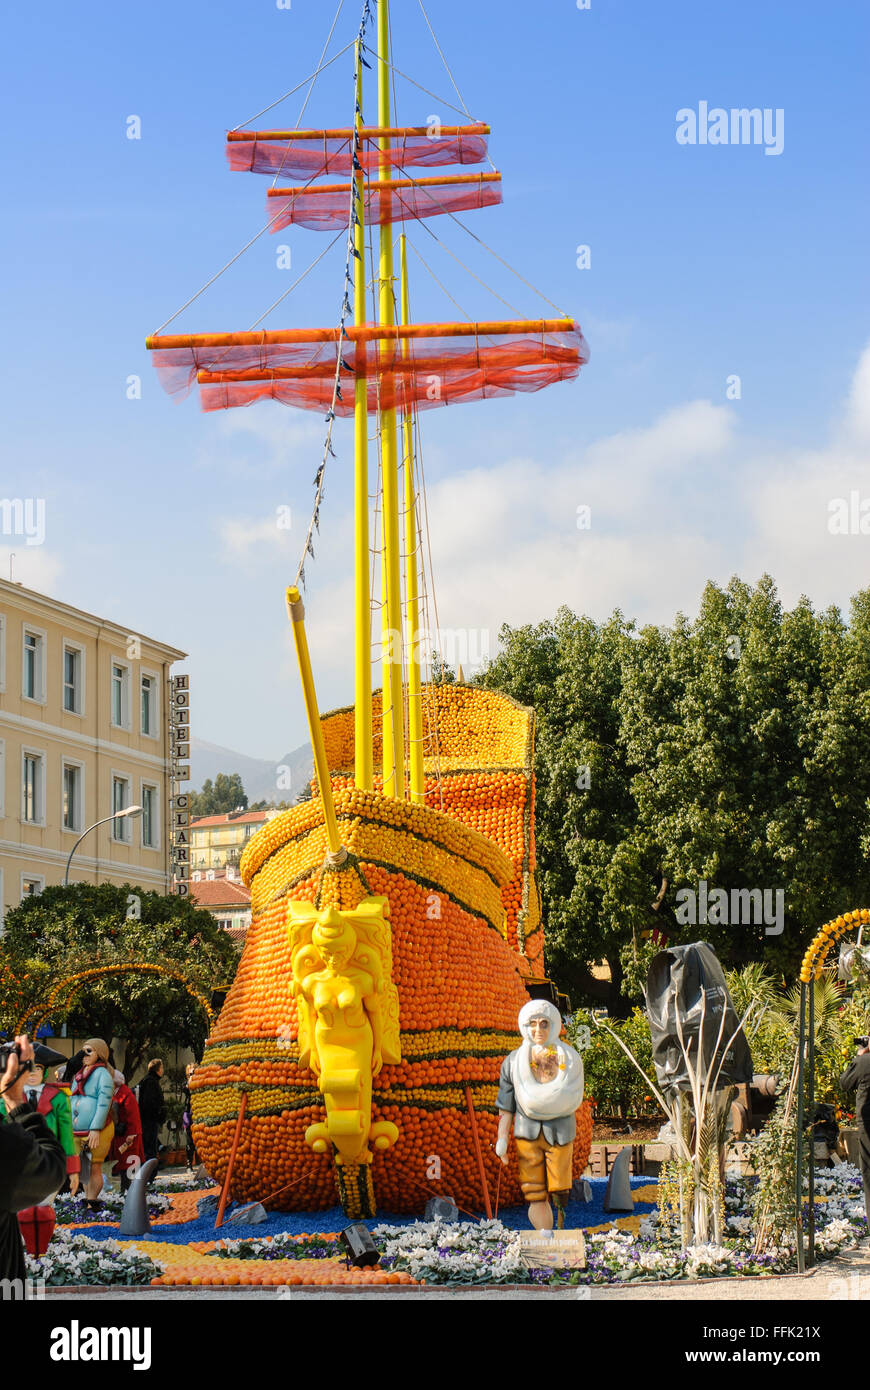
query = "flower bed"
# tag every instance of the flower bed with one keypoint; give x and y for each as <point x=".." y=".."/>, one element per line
<point x="636" y="1249"/>
<point x="76" y="1259"/>
<point x="75" y="1211"/>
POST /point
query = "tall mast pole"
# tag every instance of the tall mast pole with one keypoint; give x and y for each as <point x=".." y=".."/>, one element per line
<point x="363" y="770"/>
<point x="412" y="586"/>
<point x="393" y="708"/>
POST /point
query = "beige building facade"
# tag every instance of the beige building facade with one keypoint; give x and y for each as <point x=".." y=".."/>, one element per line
<point x="218" y="841"/>
<point x="84" y="732"/>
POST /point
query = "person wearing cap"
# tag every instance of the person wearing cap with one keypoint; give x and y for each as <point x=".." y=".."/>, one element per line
<point x="51" y="1100"/>
<point x="540" y="1090"/>
<point x="92" y="1092"/>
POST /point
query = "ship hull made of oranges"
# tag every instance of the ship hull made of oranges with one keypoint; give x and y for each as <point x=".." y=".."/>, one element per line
<point x="459" y="986"/>
<point x="478" y="759"/>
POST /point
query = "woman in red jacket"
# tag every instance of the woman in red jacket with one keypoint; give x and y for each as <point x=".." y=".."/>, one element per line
<point x="126" y="1150"/>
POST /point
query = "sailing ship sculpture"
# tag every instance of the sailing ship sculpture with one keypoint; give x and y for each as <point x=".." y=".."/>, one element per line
<point x="395" y="915"/>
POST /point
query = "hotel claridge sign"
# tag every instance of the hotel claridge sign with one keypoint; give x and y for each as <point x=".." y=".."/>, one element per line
<point x="92" y="722"/>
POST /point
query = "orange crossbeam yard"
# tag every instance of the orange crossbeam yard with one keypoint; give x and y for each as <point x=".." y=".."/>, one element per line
<point x="365" y="333"/>
<point x="367" y="133"/>
<point x="385" y="184"/>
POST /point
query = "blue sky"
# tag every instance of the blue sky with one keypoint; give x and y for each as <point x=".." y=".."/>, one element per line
<point x="706" y="261"/>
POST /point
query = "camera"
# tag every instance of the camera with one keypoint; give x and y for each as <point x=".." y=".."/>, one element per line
<point x="861" y="1042"/>
<point x="6" y="1051"/>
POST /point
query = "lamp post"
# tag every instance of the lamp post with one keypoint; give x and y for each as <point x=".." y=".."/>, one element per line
<point x="128" y="811"/>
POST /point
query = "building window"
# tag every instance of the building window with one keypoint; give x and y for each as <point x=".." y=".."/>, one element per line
<point x="33" y="673"/>
<point x="2" y="785"/>
<point x="120" y="696"/>
<point x="72" y="680"/>
<point x="2" y="664"/>
<point x="32" y="809"/>
<point x="148" y="706"/>
<point x="31" y="885"/>
<point x="149" y="817"/>
<point x="72" y="796"/>
<point x="120" y="802"/>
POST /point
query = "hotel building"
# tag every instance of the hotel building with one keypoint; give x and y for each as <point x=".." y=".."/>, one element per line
<point x="84" y="732"/>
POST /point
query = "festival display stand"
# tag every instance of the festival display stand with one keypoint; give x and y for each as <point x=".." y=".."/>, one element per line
<point x="395" y="916"/>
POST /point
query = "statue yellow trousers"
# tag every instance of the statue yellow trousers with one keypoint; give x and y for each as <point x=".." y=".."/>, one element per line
<point x="544" y="1167"/>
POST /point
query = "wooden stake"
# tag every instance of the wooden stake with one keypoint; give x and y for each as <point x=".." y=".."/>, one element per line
<point x="487" y="1205"/>
<point x="236" y="1137"/>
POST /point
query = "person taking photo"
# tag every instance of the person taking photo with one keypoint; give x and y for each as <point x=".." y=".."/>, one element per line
<point x="32" y="1160"/>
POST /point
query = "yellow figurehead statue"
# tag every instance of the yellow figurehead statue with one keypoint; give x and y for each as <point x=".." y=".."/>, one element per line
<point x="348" y="1010"/>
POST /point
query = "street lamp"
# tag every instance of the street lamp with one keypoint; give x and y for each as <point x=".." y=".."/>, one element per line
<point x="128" y="811"/>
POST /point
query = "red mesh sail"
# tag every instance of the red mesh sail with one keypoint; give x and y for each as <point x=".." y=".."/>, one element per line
<point x="439" y="365"/>
<point x="310" y="154"/>
<point x="327" y="208"/>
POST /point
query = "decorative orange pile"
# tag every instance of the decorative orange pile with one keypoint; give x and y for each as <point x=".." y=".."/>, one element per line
<point x="191" y="1265"/>
<point x="462" y="903"/>
<point x="183" y="1207"/>
<point x="478" y="748"/>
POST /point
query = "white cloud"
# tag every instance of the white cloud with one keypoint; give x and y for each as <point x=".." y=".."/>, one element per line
<point x="33" y="566"/>
<point x="691" y="497"/>
<point x="257" y="541"/>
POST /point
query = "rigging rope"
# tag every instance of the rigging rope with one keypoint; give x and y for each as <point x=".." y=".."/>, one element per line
<point x="312" y="86"/>
<point x="444" y="60"/>
<point x="314" y="523"/>
<point x="217" y="275"/>
<point x="495" y="294"/>
<point x="315" y="262"/>
<point x="242" y="125"/>
<point x="449" y="73"/>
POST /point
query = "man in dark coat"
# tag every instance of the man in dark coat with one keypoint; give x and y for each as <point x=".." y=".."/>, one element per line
<point x="856" y="1077"/>
<point x="32" y="1162"/>
<point x="152" y="1107"/>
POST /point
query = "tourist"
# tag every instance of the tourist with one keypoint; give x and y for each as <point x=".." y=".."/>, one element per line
<point x="32" y="1161"/>
<point x="187" y="1116"/>
<point x="856" y="1077"/>
<point x="126" y="1152"/>
<point x="152" y="1108"/>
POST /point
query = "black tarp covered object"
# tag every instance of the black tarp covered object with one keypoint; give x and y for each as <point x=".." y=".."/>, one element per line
<point x="688" y="982"/>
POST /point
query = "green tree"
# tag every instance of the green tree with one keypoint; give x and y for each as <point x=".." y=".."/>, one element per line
<point x="596" y="883"/>
<point x="67" y="930"/>
<point x="733" y="749"/>
<point x="220" y="797"/>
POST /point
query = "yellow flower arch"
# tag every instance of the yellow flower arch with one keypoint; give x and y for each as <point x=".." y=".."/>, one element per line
<point x="816" y="953"/>
<point x="64" y="992"/>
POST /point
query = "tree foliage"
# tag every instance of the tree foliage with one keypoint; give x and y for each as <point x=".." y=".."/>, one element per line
<point x="733" y="749"/>
<point x="67" y="930"/>
<point x="220" y="797"/>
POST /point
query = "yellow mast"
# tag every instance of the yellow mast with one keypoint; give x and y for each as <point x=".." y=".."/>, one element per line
<point x="296" y="610"/>
<point x="363" y="769"/>
<point x="412" y="587"/>
<point x="393" y="710"/>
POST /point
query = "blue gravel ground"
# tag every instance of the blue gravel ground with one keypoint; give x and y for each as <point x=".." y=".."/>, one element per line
<point x="577" y="1215"/>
